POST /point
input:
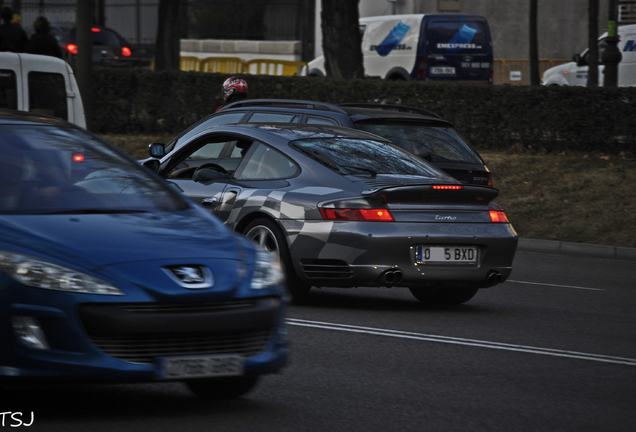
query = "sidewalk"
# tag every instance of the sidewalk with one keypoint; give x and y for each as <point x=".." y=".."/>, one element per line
<point x="577" y="249"/>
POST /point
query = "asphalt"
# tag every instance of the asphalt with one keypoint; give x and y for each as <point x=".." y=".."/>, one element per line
<point x="577" y="249"/>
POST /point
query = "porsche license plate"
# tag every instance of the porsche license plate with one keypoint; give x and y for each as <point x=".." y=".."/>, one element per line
<point x="446" y="254"/>
<point x="200" y="366"/>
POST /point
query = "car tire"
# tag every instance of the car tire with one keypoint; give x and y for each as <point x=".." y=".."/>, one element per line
<point x="444" y="295"/>
<point x="223" y="388"/>
<point x="266" y="234"/>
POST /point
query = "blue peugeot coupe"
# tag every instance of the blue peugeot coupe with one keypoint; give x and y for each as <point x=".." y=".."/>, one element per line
<point x="109" y="274"/>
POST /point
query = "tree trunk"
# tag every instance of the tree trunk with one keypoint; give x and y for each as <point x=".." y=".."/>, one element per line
<point x="534" y="45"/>
<point x="592" y="43"/>
<point x="341" y="39"/>
<point x="168" y="44"/>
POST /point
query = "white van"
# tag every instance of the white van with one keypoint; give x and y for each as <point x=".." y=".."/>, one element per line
<point x="575" y="73"/>
<point x="40" y="84"/>
<point x="437" y="47"/>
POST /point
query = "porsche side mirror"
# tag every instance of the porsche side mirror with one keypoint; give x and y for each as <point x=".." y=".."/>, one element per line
<point x="157" y="150"/>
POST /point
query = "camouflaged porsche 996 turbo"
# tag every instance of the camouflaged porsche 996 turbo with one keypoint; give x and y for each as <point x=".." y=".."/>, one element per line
<point x="346" y="208"/>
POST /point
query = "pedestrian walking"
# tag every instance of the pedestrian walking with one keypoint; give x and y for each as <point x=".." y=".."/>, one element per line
<point x="42" y="41"/>
<point x="12" y="36"/>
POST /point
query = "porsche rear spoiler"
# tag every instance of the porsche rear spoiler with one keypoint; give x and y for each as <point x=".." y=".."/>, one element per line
<point x="435" y="194"/>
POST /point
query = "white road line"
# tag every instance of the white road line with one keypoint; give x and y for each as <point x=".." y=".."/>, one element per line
<point x="554" y="285"/>
<point x="461" y="341"/>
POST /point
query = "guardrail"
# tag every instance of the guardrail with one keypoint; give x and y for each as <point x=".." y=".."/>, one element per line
<point x="235" y="65"/>
<point x="517" y="72"/>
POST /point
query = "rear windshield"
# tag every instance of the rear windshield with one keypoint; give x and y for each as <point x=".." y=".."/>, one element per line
<point x="52" y="170"/>
<point x="350" y="156"/>
<point x="432" y="143"/>
<point x="448" y="37"/>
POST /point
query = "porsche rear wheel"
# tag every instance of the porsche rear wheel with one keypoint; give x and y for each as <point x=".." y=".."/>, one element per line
<point x="268" y="235"/>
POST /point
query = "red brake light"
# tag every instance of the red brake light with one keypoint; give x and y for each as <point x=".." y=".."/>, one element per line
<point x="378" y="215"/>
<point x="446" y="187"/>
<point x="78" y="157"/>
<point x="71" y="48"/>
<point x="95" y="30"/>
<point x="125" y="51"/>
<point x="421" y="68"/>
<point x="498" y="216"/>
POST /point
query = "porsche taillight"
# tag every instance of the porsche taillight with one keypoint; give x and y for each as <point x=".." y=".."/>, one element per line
<point x="348" y="214"/>
<point x="497" y="216"/>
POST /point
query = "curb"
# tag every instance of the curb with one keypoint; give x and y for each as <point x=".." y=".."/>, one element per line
<point x="577" y="249"/>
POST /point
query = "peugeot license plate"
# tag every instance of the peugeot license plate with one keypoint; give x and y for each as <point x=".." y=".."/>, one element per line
<point x="446" y="254"/>
<point x="200" y="366"/>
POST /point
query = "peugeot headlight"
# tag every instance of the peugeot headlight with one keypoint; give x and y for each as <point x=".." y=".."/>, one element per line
<point x="268" y="271"/>
<point x="43" y="274"/>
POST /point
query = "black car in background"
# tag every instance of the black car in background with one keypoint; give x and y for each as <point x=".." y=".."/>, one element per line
<point x="109" y="47"/>
<point x="418" y="131"/>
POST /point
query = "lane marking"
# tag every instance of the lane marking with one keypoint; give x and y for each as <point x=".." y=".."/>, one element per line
<point x="555" y="285"/>
<point x="462" y="341"/>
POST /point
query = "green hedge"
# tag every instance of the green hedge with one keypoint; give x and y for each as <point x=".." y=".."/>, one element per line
<point x="498" y="117"/>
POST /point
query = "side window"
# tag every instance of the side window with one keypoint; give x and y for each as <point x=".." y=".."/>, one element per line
<point x="321" y="120"/>
<point x="267" y="117"/>
<point x="220" y="119"/>
<point x="266" y="163"/>
<point x="47" y="94"/>
<point x="198" y="155"/>
<point x="208" y="151"/>
<point x="8" y="89"/>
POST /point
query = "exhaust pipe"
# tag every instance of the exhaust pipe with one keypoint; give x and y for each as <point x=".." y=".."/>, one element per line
<point x="392" y="277"/>
<point x="493" y="278"/>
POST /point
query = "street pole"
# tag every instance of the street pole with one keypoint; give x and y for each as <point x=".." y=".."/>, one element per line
<point x="84" y="60"/>
<point x="611" y="55"/>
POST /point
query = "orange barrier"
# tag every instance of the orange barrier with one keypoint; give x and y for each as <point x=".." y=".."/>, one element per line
<point x="235" y="65"/>
<point x="226" y="65"/>
<point x="189" y="63"/>
<point x="274" y="67"/>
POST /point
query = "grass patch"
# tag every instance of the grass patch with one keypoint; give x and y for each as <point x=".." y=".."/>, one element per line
<point x="136" y="145"/>
<point x="568" y="197"/>
<point x="587" y="198"/>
